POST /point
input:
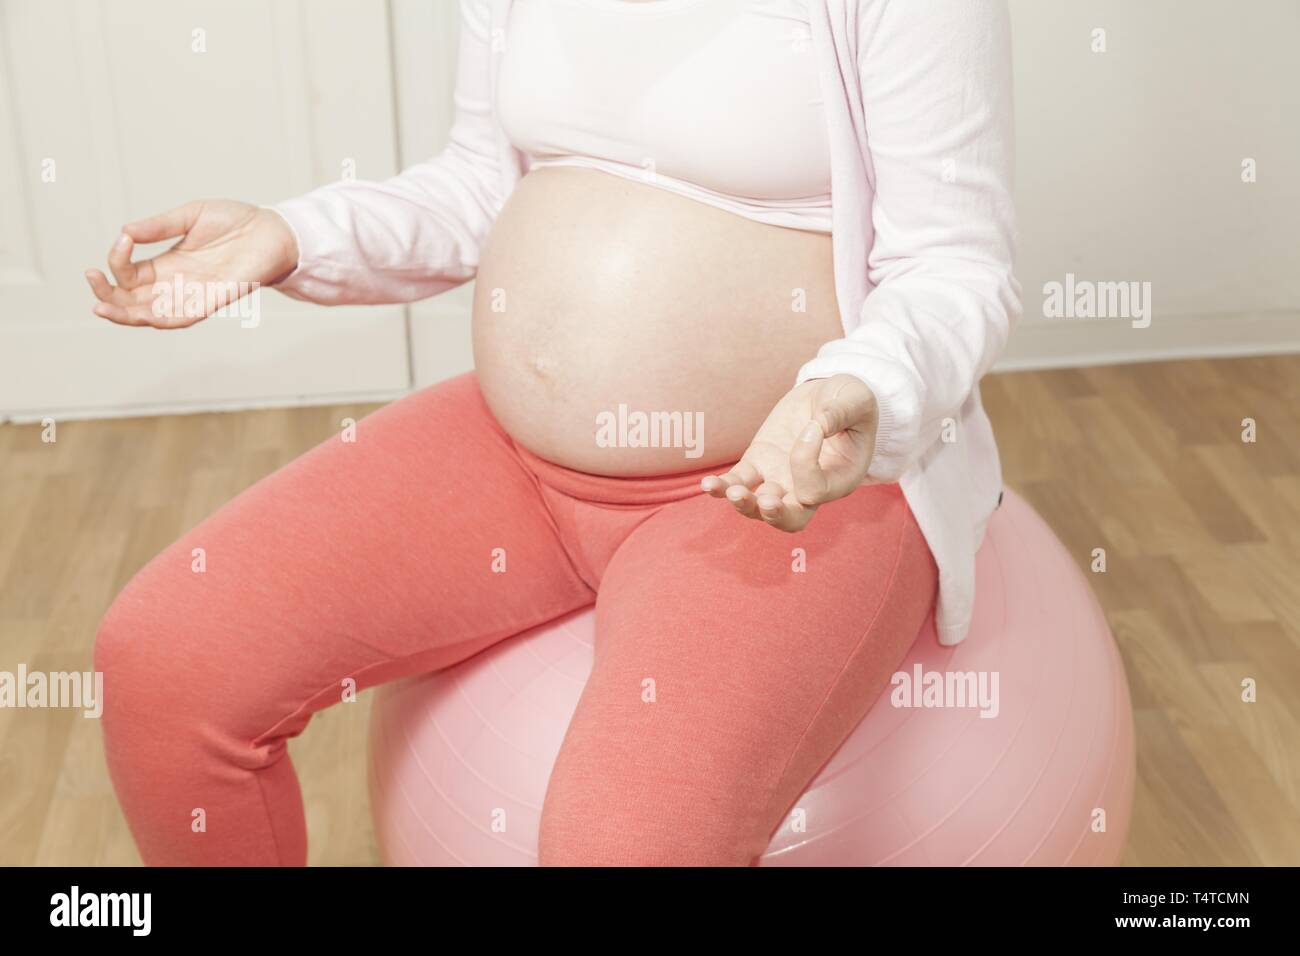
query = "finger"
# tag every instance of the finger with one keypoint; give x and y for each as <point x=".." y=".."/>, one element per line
<point x="165" y="225"/>
<point x="785" y="514"/>
<point x="840" y="409"/>
<point x="813" y="484"/>
<point x="124" y="307"/>
<point x="125" y="272"/>
<point x="743" y="500"/>
<point x="770" y="508"/>
<point x="131" y="275"/>
<point x="104" y="290"/>
<point x="714" y="486"/>
<point x="769" y="489"/>
<point x="108" y="293"/>
<point x="115" y="313"/>
<point x="742" y="474"/>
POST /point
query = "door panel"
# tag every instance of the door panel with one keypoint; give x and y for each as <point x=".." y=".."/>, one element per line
<point x="112" y="111"/>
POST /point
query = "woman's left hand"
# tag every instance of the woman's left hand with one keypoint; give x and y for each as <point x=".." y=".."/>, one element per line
<point x="815" y="446"/>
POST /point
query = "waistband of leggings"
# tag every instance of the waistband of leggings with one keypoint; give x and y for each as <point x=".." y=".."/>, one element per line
<point x="606" y="489"/>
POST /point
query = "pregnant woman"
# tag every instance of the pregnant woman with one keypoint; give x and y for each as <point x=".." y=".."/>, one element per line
<point x="740" y="265"/>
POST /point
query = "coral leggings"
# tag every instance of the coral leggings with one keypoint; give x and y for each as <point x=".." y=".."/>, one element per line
<point x="433" y="535"/>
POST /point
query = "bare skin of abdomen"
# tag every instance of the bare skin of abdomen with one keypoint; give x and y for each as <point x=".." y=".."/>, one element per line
<point x="614" y="319"/>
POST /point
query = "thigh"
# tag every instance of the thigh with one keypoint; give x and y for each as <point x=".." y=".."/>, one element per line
<point x="408" y="548"/>
<point x="731" y="662"/>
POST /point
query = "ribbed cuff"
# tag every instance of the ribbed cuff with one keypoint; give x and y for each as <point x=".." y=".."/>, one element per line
<point x="894" y="431"/>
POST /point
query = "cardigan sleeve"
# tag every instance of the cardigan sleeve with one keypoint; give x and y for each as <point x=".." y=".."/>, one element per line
<point x="418" y="233"/>
<point x="936" y="93"/>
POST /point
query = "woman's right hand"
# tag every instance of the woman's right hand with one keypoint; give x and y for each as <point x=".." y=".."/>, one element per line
<point x="225" y="245"/>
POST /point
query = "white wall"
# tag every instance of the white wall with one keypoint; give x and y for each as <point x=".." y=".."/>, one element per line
<point x="1130" y="168"/>
<point x="425" y="56"/>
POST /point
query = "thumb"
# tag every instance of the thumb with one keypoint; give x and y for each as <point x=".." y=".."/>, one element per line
<point x="842" y="403"/>
<point x="166" y="225"/>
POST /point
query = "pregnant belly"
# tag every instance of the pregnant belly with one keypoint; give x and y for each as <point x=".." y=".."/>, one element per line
<point x="620" y="329"/>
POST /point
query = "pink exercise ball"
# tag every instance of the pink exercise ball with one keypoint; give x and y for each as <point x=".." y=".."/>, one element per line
<point x="1047" y="781"/>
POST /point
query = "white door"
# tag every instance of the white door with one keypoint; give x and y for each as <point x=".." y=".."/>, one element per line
<point x="112" y="111"/>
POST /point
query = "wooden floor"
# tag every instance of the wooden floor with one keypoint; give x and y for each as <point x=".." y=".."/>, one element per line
<point x="1202" y="589"/>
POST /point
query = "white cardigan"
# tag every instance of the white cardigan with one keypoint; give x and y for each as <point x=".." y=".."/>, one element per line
<point x="919" y="116"/>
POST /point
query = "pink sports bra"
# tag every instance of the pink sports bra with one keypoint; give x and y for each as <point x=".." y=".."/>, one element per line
<point x="717" y="100"/>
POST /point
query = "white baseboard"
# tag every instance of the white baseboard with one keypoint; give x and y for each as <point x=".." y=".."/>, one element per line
<point x="297" y="355"/>
<point x="197" y="408"/>
<point x="1037" y="344"/>
<point x="1068" y="343"/>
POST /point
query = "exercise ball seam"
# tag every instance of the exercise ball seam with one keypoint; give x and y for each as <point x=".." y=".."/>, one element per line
<point x="431" y="720"/>
<point x="415" y="807"/>
<point x="458" y="687"/>
<point x="1078" y="782"/>
<point x="1096" y="613"/>
<point x="418" y="762"/>
<point x="1042" y="770"/>
<point x="1116" y="667"/>
<point x="379" y="730"/>
<point x="992" y="542"/>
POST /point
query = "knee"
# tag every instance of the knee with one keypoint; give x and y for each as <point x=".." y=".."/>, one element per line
<point x="127" y="655"/>
<point x="125" y="660"/>
<point x="147" y="650"/>
<point x="125" y="630"/>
